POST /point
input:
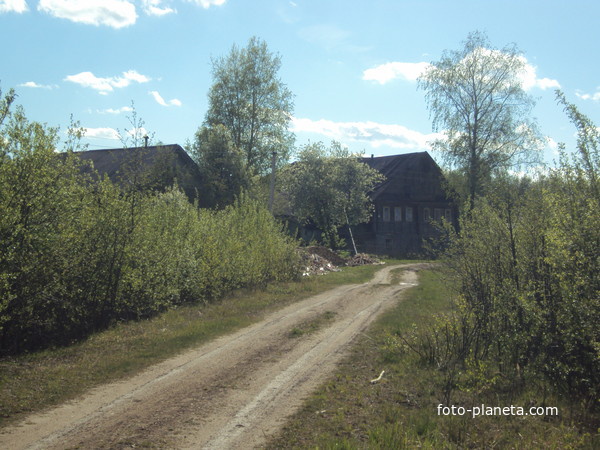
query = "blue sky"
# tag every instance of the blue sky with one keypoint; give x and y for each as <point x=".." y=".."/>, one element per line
<point x="350" y="64"/>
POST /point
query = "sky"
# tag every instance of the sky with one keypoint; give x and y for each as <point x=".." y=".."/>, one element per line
<point x="352" y="65"/>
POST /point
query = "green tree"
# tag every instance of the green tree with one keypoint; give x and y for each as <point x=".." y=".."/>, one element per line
<point x="222" y="166"/>
<point x="329" y="187"/>
<point x="137" y="135"/>
<point x="78" y="252"/>
<point x="476" y="99"/>
<point x="251" y="101"/>
<point x="5" y="104"/>
<point x="527" y="270"/>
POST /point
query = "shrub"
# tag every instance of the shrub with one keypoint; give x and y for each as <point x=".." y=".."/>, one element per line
<point x="76" y="255"/>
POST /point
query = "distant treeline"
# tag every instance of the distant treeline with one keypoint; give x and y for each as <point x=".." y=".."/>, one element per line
<point x="76" y="255"/>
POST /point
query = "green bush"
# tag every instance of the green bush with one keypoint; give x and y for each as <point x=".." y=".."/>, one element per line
<point x="77" y="255"/>
<point x="527" y="265"/>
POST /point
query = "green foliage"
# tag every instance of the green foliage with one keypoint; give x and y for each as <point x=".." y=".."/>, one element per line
<point x="5" y="103"/>
<point x="476" y="97"/>
<point x="401" y="411"/>
<point x="526" y="263"/>
<point x="250" y="100"/>
<point x="329" y="187"/>
<point x="222" y="167"/>
<point x="77" y="255"/>
<point x="137" y="135"/>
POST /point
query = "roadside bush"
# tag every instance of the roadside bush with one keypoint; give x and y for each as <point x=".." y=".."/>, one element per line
<point x="526" y="263"/>
<point x="77" y="255"/>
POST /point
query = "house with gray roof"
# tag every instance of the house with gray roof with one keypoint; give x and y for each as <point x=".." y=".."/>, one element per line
<point x="152" y="168"/>
<point x="408" y="203"/>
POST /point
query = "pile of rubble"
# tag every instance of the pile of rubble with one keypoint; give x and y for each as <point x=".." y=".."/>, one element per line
<point x="328" y="254"/>
<point x="315" y="264"/>
<point x="320" y="260"/>
<point x="362" y="258"/>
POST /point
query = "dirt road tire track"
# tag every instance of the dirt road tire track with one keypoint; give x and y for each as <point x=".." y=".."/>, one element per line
<point x="233" y="392"/>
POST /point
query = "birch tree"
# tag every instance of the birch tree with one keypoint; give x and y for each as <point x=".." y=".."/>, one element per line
<point x="476" y="98"/>
<point x="252" y="102"/>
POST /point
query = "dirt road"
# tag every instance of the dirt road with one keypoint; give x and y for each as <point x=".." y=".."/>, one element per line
<point x="233" y="392"/>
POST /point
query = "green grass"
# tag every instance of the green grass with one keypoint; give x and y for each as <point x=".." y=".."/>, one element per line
<point x="312" y="325"/>
<point x="400" y="411"/>
<point x="32" y="382"/>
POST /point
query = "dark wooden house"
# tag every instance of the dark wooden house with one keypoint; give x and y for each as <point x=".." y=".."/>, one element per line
<point x="146" y="168"/>
<point x="407" y="204"/>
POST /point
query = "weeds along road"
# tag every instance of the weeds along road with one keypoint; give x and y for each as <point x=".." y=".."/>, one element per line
<point x="231" y="393"/>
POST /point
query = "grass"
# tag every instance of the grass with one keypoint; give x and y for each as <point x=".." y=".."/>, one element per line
<point x="310" y="326"/>
<point x="400" y="411"/>
<point x="35" y="381"/>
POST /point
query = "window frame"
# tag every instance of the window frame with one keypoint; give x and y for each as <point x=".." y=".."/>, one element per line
<point x="426" y="214"/>
<point x="397" y="213"/>
<point x="386" y="214"/>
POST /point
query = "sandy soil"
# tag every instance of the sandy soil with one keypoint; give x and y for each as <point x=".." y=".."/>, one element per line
<point x="231" y="393"/>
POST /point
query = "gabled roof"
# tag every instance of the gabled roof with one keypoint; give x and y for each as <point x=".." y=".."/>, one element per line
<point x="164" y="163"/>
<point x="401" y="166"/>
<point x="110" y="161"/>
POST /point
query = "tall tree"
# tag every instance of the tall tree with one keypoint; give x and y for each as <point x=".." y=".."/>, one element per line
<point x="5" y="103"/>
<point x="251" y="101"/>
<point x="329" y="187"/>
<point x="476" y="98"/>
<point x="222" y="166"/>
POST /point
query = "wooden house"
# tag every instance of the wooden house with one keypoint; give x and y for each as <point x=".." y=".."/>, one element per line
<point x="407" y="205"/>
<point x="146" y="168"/>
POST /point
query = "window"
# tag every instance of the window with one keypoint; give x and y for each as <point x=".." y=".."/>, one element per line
<point x="448" y="215"/>
<point x="426" y="215"/>
<point x="409" y="214"/>
<point x="397" y="214"/>
<point x="437" y="214"/>
<point x="386" y="213"/>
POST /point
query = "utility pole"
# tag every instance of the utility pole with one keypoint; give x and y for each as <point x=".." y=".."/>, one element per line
<point x="272" y="187"/>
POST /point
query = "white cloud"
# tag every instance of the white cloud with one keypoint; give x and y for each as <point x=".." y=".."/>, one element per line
<point x="111" y="13"/>
<point x="372" y="133"/>
<point x="584" y="96"/>
<point x="155" y="8"/>
<point x="123" y="109"/>
<point x="161" y="101"/>
<point x="528" y="77"/>
<point x="34" y="85"/>
<point x="102" y="133"/>
<point x="552" y="145"/>
<point x="137" y="133"/>
<point x="208" y="3"/>
<point x="530" y="80"/>
<point x="112" y="134"/>
<point x="387" y="72"/>
<point x="105" y="85"/>
<point x="18" y="6"/>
